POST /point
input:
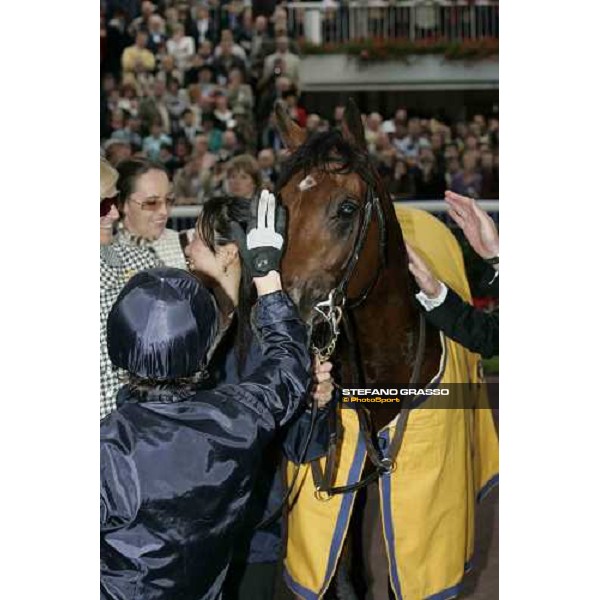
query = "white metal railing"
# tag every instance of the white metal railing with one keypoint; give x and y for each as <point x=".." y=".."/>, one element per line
<point x="183" y="217"/>
<point x="339" y="22"/>
<point x="192" y="211"/>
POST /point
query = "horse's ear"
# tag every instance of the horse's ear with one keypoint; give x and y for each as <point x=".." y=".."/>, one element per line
<point x="291" y="133"/>
<point x="352" y="125"/>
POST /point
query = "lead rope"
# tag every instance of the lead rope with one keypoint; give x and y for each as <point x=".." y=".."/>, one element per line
<point x="383" y="465"/>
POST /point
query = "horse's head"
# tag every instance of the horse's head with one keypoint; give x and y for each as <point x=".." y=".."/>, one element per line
<point x="325" y="185"/>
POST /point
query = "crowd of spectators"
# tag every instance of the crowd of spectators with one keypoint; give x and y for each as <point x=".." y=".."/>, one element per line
<point x="193" y="84"/>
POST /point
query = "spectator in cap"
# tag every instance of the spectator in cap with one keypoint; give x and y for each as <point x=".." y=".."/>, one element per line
<point x="203" y="447"/>
<point x="117" y="264"/>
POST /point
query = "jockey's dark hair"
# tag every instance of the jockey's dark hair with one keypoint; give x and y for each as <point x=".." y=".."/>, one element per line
<point x="329" y="152"/>
<point x="214" y="228"/>
<point x="129" y="172"/>
<point x="216" y="217"/>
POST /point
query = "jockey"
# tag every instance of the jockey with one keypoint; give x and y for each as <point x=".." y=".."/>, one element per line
<point x="214" y="256"/>
<point x="178" y="463"/>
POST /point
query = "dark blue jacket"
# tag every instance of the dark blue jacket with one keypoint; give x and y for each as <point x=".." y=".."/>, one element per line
<point x="264" y="545"/>
<point x="177" y="471"/>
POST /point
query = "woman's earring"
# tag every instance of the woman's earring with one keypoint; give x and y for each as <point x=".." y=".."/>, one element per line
<point x="225" y="269"/>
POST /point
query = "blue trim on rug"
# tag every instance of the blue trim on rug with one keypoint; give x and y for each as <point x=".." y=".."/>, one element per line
<point x="386" y="497"/>
<point x="298" y="589"/>
<point x="422" y="398"/>
<point x="488" y="487"/>
<point x="341" y="526"/>
<point x="448" y="593"/>
<point x="339" y="533"/>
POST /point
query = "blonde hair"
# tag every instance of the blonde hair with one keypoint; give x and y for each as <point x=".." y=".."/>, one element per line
<point x="108" y="179"/>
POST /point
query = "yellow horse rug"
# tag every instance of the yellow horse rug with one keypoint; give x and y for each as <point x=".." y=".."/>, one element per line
<point x="448" y="460"/>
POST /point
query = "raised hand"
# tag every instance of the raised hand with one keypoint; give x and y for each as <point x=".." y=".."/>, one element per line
<point x="478" y="227"/>
<point x="428" y="284"/>
<point x="261" y="247"/>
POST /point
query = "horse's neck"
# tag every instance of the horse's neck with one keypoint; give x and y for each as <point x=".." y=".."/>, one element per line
<point x="386" y="327"/>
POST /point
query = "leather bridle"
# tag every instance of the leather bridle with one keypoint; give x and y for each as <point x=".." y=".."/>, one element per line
<point x="333" y="310"/>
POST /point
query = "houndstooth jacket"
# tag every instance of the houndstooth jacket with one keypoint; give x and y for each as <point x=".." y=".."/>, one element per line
<point x="118" y="262"/>
<point x="167" y="246"/>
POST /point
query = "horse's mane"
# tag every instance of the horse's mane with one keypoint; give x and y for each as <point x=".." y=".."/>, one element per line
<point x="329" y="152"/>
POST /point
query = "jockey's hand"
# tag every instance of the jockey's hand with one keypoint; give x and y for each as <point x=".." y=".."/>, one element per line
<point x="478" y="227"/>
<point x="261" y="246"/>
<point x="429" y="285"/>
<point x="322" y="389"/>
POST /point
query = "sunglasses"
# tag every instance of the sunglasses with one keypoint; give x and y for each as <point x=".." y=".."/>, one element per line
<point x="106" y="205"/>
<point x="154" y="204"/>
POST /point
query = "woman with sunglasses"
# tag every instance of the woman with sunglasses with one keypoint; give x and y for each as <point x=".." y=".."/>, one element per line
<point x="118" y="263"/>
<point x="145" y="202"/>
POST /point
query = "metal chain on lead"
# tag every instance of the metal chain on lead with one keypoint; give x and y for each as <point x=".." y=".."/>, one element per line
<point x="332" y="314"/>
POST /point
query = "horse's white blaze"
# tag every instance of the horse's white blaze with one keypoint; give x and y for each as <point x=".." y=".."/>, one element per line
<point x="307" y="183"/>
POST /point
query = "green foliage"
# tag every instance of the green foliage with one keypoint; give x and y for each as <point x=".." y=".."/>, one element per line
<point x="491" y="366"/>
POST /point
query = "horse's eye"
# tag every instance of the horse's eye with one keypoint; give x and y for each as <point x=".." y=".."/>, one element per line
<point x="347" y="209"/>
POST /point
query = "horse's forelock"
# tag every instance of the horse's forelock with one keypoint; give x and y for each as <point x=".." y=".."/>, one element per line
<point x="328" y="152"/>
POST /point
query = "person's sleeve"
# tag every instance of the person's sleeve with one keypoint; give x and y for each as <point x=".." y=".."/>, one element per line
<point x="296" y="434"/>
<point x="119" y="486"/>
<point x="474" y="329"/>
<point x="281" y="380"/>
<point x="430" y="303"/>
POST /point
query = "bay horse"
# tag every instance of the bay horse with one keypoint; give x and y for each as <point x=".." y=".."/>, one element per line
<point x="346" y="261"/>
